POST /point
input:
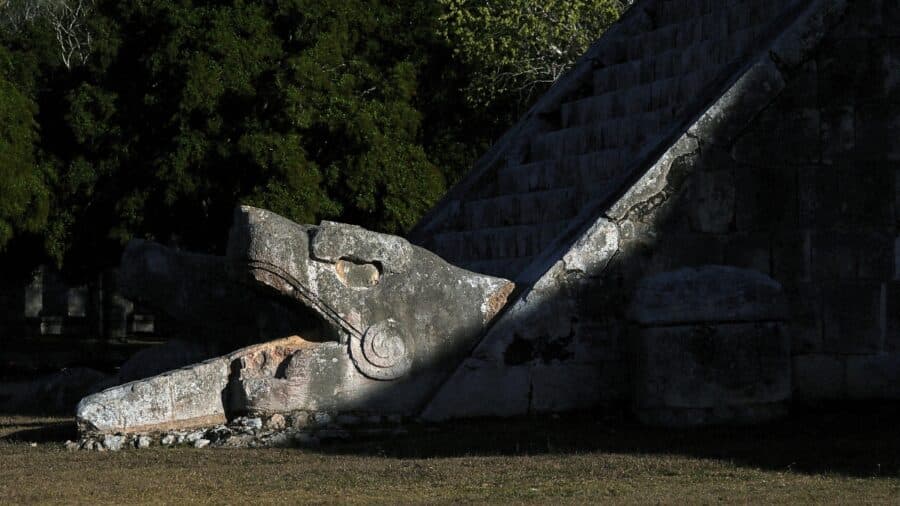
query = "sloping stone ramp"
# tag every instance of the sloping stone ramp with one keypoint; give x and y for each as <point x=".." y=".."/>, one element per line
<point x="565" y="191"/>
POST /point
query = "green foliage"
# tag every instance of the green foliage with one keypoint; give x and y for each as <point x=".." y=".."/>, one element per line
<point x="186" y="109"/>
<point x="178" y="110"/>
<point x="517" y="48"/>
<point x="23" y="196"/>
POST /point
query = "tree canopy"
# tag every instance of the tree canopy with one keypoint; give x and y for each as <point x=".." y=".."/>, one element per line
<point x="516" y="48"/>
<point x="23" y="195"/>
<point x="159" y="116"/>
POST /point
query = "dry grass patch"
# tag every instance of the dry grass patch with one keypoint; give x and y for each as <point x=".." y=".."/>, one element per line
<point x="833" y="458"/>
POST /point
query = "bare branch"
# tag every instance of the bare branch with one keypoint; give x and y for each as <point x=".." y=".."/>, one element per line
<point x="67" y="18"/>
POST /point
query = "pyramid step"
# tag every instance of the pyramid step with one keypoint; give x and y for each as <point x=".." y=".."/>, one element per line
<point x="569" y="171"/>
<point x="740" y="16"/>
<point x="675" y="63"/>
<point x="578" y="140"/>
<point x="627" y="75"/>
<point x="650" y="43"/>
<point x="607" y="105"/>
<point x="504" y="268"/>
<point x="521" y="208"/>
<point x="762" y="12"/>
<point x="666" y="64"/>
<point x="682" y="23"/>
<point x="679" y="11"/>
<point x="679" y="24"/>
<point x="608" y="109"/>
<point x="597" y="136"/>
<point x="496" y="243"/>
<point x="743" y="41"/>
<point x="620" y="77"/>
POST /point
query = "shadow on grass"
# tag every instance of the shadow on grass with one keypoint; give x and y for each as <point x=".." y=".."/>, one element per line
<point x="855" y="440"/>
<point x="13" y="425"/>
<point x="49" y="432"/>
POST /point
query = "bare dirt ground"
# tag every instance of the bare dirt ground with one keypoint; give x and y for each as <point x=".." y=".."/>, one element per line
<point x="848" y="456"/>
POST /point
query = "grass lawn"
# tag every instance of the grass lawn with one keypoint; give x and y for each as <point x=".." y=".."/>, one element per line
<point x="850" y="456"/>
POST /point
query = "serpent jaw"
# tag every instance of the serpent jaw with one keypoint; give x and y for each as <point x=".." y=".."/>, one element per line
<point x="401" y="320"/>
<point x="376" y="291"/>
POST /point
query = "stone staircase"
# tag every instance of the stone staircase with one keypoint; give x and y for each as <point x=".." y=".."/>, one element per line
<point x="662" y="62"/>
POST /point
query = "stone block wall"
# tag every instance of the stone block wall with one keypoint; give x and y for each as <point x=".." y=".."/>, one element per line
<point x="792" y="172"/>
<point x="808" y="194"/>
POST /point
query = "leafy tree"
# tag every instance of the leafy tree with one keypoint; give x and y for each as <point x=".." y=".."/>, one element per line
<point x="517" y="48"/>
<point x="159" y="116"/>
<point x="186" y="109"/>
<point x="23" y="195"/>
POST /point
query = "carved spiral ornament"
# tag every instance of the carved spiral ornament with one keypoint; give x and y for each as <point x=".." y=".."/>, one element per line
<point x="381" y="353"/>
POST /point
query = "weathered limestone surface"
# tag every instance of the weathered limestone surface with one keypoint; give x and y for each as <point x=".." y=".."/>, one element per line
<point x="403" y="316"/>
<point x="200" y="395"/>
<point x="697" y="366"/>
<point x="397" y="320"/>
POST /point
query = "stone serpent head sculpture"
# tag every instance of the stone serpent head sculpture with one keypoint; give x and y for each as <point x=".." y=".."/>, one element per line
<point x="399" y="319"/>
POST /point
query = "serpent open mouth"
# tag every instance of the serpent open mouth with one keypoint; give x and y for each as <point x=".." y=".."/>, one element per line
<point x="397" y="320"/>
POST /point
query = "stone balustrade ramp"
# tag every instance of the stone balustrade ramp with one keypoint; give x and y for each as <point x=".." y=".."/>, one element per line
<point x="655" y="70"/>
<point x="584" y="180"/>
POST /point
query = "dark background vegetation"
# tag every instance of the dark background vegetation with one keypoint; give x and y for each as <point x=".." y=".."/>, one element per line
<point x="154" y="118"/>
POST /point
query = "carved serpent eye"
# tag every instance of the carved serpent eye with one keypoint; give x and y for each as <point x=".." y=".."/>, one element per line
<point x="383" y="352"/>
<point x="357" y="274"/>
